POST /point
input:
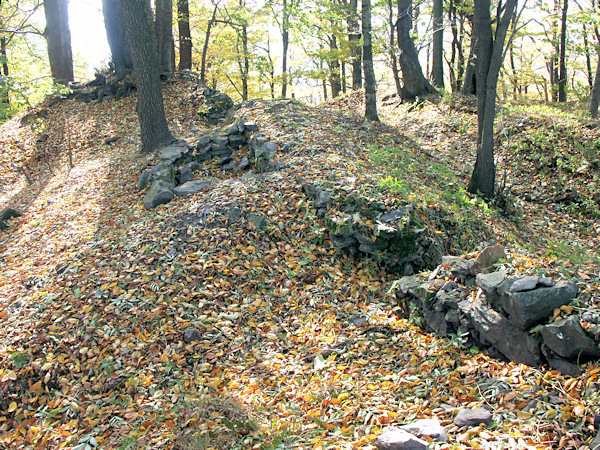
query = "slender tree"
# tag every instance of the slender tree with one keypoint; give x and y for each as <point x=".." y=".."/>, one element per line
<point x="139" y="30"/>
<point x="437" y="69"/>
<point x="163" y="28"/>
<point x="115" y="34"/>
<point x="490" y="53"/>
<point x="58" y="37"/>
<point x="562" y="73"/>
<point x="393" y="58"/>
<point x="355" y="48"/>
<point x="415" y="83"/>
<point x="185" y="36"/>
<point x="370" y="88"/>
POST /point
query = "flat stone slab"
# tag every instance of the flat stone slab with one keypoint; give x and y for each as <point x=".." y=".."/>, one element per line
<point x="427" y="427"/>
<point x="192" y="187"/>
<point x="172" y="153"/>
<point x="159" y="193"/>
<point x="397" y="439"/>
<point x="471" y="417"/>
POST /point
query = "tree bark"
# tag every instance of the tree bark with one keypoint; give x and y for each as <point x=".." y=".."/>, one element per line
<point x="562" y="77"/>
<point x="370" y="88"/>
<point x="206" y="42"/>
<point x="470" y="83"/>
<point x="393" y="58"/>
<point x="437" y="68"/>
<point x="355" y="48"/>
<point x="285" y="36"/>
<point x="137" y="20"/>
<point x="4" y="90"/>
<point x="185" y="36"/>
<point x="115" y="34"/>
<point x="164" y="34"/>
<point x="415" y="83"/>
<point x="58" y="37"/>
<point x="334" y="68"/>
<point x="595" y="97"/>
<point x="490" y="52"/>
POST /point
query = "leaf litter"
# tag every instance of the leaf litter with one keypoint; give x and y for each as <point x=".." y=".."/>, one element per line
<point x="298" y="346"/>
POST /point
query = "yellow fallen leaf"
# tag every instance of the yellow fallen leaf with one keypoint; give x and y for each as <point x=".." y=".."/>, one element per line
<point x="343" y="396"/>
<point x="36" y="388"/>
<point x="12" y="407"/>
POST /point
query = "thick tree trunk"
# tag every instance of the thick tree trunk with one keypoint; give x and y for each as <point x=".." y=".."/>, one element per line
<point x="137" y="19"/>
<point x="437" y="68"/>
<point x="370" y="88"/>
<point x="115" y="34"/>
<point x="562" y="77"/>
<point x="58" y="37"/>
<point x="469" y="86"/>
<point x="415" y="83"/>
<point x="164" y="34"/>
<point x="490" y="51"/>
<point x="393" y="58"/>
<point x="355" y="48"/>
<point x="595" y="97"/>
<point x="185" y="36"/>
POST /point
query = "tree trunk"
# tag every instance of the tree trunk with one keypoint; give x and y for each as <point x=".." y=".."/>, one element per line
<point x="137" y="20"/>
<point x="490" y="52"/>
<point x="285" y="36"/>
<point x="334" y="69"/>
<point x="185" y="36"/>
<point x="355" y="48"/>
<point x="206" y="42"/>
<point x="470" y="84"/>
<point x="58" y="37"/>
<point x="562" y="78"/>
<point x="164" y="34"/>
<point x="415" y="83"/>
<point x="370" y="88"/>
<point x="438" y="44"/>
<point x="115" y="34"/>
<point x="595" y="97"/>
<point x="395" y="71"/>
<point x="343" y="69"/>
<point x="588" y="59"/>
<point x="4" y="92"/>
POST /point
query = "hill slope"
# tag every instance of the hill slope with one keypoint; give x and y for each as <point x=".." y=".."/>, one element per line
<point x="100" y="297"/>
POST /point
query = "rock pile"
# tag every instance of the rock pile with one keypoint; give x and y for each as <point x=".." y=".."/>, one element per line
<point x="173" y="175"/>
<point x="507" y="316"/>
<point x="394" y="238"/>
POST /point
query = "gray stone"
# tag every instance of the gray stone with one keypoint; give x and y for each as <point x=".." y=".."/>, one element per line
<point x="427" y="427"/>
<point x="514" y="343"/>
<point x="250" y="126"/>
<point x="163" y="171"/>
<point x="405" y="285"/>
<point x="462" y="268"/>
<point x="232" y="130"/>
<point x="322" y="199"/>
<point x="595" y="444"/>
<point x="203" y="142"/>
<point x="191" y="334"/>
<point x="255" y="143"/>
<point x="397" y="439"/>
<point x="229" y="164"/>
<point x="185" y="174"/>
<point x="234" y="213"/>
<point x="487" y="258"/>
<point x="172" y="153"/>
<point x="470" y="417"/>
<point x="529" y="308"/>
<point x="244" y="163"/>
<point x="159" y="193"/>
<point x="394" y="216"/>
<point x="220" y="150"/>
<point x="566" y="338"/>
<point x="524" y="284"/>
<point x="220" y="140"/>
<point x="236" y="141"/>
<point x="489" y="282"/>
<point x="592" y="389"/>
<point x="565" y="367"/>
<point x="192" y="187"/>
<point x="423" y="293"/>
<point x="144" y="179"/>
<point x="257" y="220"/>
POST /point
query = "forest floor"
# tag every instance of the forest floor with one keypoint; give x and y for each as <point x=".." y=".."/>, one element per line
<point x="96" y="291"/>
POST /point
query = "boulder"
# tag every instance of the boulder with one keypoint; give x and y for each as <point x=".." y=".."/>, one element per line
<point x="185" y="174"/>
<point x="567" y="339"/>
<point x="257" y="220"/>
<point x="163" y="171"/>
<point x="427" y="427"/>
<point x="228" y="164"/>
<point x="173" y="152"/>
<point x="489" y="282"/>
<point x="528" y="308"/>
<point x="7" y="214"/>
<point x="191" y="334"/>
<point x="192" y="187"/>
<point x="470" y="417"/>
<point x="236" y="141"/>
<point x="512" y="342"/>
<point x="244" y="163"/>
<point x="159" y="193"/>
<point x="203" y="142"/>
<point x="397" y="439"/>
